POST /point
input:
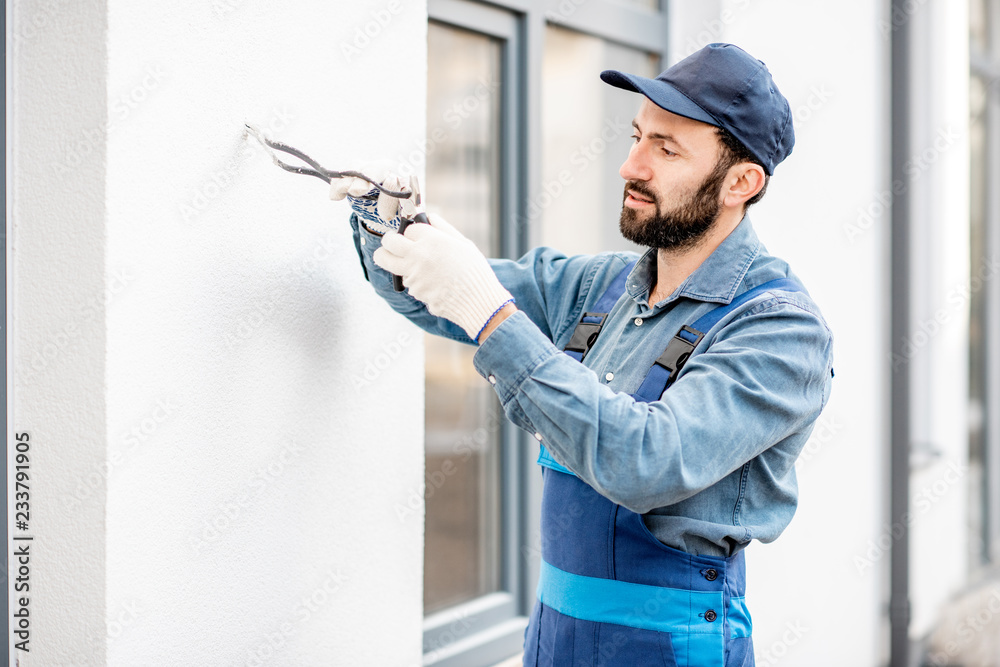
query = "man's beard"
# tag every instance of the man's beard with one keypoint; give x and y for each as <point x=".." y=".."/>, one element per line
<point x="681" y="227"/>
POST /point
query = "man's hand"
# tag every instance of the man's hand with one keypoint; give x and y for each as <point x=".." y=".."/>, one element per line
<point x="379" y="212"/>
<point x="447" y="272"/>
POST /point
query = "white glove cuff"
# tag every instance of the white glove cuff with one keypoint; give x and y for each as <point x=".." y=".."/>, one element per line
<point x="481" y="300"/>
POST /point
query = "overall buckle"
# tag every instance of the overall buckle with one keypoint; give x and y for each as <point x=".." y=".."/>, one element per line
<point x="586" y="333"/>
<point x="679" y="350"/>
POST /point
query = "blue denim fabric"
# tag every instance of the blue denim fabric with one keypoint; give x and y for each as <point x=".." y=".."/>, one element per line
<point x="710" y="466"/>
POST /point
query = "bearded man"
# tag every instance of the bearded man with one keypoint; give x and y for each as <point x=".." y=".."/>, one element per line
<point x="670" y="392"/>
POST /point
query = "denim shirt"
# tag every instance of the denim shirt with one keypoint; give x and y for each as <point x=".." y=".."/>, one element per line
<point x="710" y="465"/>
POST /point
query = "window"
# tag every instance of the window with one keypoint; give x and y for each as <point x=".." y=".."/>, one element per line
<point x="984" y="324"/>
<point x="473" y="584"/>
<point x="462" y="413"/>
<point x="514" y="99"/>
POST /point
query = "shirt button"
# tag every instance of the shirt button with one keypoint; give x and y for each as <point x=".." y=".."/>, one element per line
<point x="710" y="616"/>
<point x="638" y="321"/>
<point x="711" y="574"/>
<point x="363" y="242"/>
<point x="538" y="436"/>
<point x="492" y="379"/>
<point x="609" y="377"/>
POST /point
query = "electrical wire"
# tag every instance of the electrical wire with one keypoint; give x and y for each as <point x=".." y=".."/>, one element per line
<point x="317" y="170"/>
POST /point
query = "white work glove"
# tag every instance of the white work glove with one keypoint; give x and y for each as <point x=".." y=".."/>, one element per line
<point x="447" y="272"/>
<point x="379" y="212"/>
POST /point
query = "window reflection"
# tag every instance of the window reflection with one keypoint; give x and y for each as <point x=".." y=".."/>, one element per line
<point x="586" y="128"/>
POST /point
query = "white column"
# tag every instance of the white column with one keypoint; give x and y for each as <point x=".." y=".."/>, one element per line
<point x="828" y="215"/>
<point x="826" y="212"/>
<point x="56" y="235"/>
<point x="938" y="348"/>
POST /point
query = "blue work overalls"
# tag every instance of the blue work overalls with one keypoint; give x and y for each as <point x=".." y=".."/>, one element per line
<point x="609" y="593"/>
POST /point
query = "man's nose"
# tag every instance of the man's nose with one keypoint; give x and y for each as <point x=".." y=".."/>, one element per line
<point x="636" y="166"/>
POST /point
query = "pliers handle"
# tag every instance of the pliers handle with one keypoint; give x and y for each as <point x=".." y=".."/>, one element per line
<point x="397" y="281"/>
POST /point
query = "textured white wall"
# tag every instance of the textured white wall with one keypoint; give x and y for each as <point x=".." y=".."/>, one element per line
<point x="252" y="411"/>
<point x="832" y="65"/>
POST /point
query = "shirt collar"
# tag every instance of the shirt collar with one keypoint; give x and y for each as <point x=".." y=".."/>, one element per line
<point x="716" y="280"/>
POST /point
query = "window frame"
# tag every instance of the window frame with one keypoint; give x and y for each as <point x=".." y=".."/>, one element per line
<point x="490" y="628"/>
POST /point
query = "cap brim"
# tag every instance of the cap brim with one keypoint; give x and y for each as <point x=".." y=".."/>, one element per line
<point x="660" y="93"/>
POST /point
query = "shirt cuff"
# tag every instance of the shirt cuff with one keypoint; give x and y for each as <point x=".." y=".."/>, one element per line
<point x="511" y="353"/>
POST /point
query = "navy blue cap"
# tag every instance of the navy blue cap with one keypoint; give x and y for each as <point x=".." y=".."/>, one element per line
<point x="723" y="85"/>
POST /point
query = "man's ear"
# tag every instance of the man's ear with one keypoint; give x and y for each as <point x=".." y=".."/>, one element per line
<point x="745" y="180"/>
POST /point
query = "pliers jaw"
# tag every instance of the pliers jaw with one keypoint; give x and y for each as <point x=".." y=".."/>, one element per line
<point x="316" y="169"/>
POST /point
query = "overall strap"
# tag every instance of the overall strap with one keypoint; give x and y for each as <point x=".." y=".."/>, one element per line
<point x="664" y="371"/>
<point x="583" y="339"/>
<point x="590" y="324"/>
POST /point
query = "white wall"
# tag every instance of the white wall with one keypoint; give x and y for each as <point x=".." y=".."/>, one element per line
<point x="811" y="602"/>
<point x="215" y="470"/>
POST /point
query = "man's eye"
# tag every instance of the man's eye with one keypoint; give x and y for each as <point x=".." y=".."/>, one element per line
<point x="669" y="152"/>
<point x="636" y="137"/>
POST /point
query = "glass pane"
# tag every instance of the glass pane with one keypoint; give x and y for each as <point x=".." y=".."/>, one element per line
<point x="586" y="126"/>
<point x="462" y="432"/>
<point x="641" y="4"/>
<point x="979" y="22"/>
<point x="978" y="459"/>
